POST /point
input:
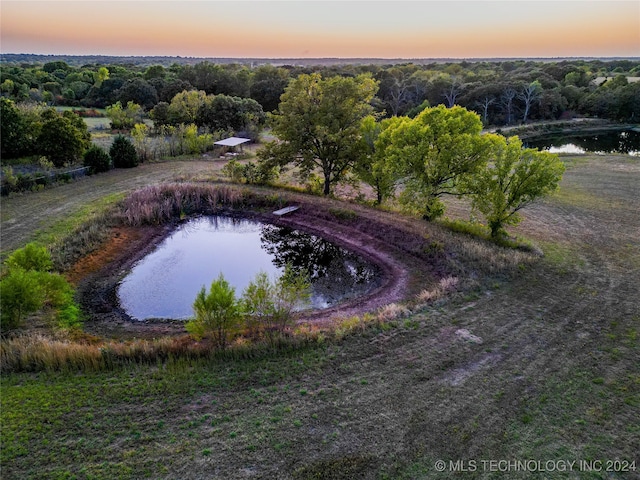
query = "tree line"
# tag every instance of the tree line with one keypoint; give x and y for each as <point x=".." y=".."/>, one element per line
<point x="501" y="92"/>
<point x="328" y="125"/>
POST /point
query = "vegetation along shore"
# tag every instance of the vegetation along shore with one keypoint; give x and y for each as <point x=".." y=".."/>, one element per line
<point x="503" y="325"/>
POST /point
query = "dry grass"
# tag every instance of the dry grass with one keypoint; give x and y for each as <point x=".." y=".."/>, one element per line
<point x="540" y="362"/>
<point x="160" y="204"/>
<point x="444" y="286"/>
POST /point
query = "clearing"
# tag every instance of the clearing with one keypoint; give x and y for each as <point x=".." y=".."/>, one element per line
<point x="541" y="366"/>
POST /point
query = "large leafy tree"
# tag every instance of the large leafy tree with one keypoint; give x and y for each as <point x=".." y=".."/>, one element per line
<point x="63" y="138"/>
<point x="267" y="84"/>
<point x="223" y="112"/>
<point x="432" y="152"/>
<point x="139" y="91"/>
<point x="14" y="130"/>
<point x="185" y="105"/>
<point x="318" y="124"/>
<point x="514" y="178"/>
<point x="124" y="117"/>
<point x="372" y="167"/>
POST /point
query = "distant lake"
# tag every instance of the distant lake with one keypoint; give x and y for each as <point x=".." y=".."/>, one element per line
<point x="624" y="141"/>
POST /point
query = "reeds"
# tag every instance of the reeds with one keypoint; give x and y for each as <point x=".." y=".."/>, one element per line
<point x="159" y="204"/>
<point x="37" y="352"/>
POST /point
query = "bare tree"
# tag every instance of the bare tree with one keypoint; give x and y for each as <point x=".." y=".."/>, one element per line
<point x="506" y="101"/>
<point x="451" y="94"/>
<point x="529" y="94"/>
<point x="485" y="103"/>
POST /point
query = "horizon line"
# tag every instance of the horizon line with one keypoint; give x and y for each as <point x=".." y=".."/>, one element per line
<point x="630" y="57"/>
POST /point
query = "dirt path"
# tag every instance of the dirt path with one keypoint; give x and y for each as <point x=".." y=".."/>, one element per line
<point x="23" y="215"/>
<point x="541" y="365"/>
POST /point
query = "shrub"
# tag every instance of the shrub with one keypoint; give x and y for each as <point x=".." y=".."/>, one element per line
<point x="20" y="295"/>
<point x="97" y="160"/>
<point x="28" y="286"/>
<point x="30" y="257"/>
<point x="271" y="304"/>
<point x="217" y="313"/>
<point x="259" y="173"/>
<point x="123" y="153"/>
<point x="234" y="171"/>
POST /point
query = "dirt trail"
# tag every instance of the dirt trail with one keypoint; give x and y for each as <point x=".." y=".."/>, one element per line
<point x="540" y="365"/>
<point x="23" y="215"/>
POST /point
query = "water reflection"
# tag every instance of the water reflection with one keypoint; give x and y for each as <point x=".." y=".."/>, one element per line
<point x="165" y="282"/>
<point x="627" y="142"/>
<point x="335" y="273"/>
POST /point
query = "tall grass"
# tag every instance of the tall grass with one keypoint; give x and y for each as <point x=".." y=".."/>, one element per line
<point x="37" y="352"/>
<point x="160" y="204"/>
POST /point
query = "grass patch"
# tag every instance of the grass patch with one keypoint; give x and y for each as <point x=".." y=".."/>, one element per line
<point x="555" y="377"/>
<point x="478" y="230"/>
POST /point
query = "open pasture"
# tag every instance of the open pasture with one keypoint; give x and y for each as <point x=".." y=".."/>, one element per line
<point x="540" y="364"/>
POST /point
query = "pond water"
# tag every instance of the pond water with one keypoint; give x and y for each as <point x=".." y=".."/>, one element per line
<point x="165" y="283"/>
<point x="625" y="141"/>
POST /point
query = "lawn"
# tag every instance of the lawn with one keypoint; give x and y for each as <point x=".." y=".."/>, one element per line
<point x="541" y="366"/>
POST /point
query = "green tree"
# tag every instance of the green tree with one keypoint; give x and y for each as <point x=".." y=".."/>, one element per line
<point x="432" y="152"/>
<point x="20" y="295"/>
<point x="124" y="117"/>
<point x="100" y="76"/>
<point x="13" y="128"/>
<point x="267" y="85"/>
<point x="138" y="91"/>
<point x="184" y="107"/>
<point x="222" y="112"/>
<point x="140" y="134"/>
<point x="271" y="304"/>
<point x="28" y="286"/>
<point x="217" y="313"/>
<point x="514" y="178"/>
<point x="373" y="167"/>
<point x="318" y="123"/>
<point x="30" y="257"/>
<point x="60" y="139"/>
<point x="123" y="153"/>
<point x="97" y="159"/>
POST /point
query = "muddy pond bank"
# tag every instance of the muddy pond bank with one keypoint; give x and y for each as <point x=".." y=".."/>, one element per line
<point x="398" y="253"/>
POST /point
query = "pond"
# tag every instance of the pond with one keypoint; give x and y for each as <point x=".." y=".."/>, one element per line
<point x="625" y="141"/>
<point x="165" y="283"/>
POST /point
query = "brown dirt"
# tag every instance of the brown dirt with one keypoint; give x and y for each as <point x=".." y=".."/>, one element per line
<point x="97" y="274"/>
<point x="555" y="377"/>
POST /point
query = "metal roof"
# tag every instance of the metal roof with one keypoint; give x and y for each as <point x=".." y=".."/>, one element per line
<point x="232" y="141"/>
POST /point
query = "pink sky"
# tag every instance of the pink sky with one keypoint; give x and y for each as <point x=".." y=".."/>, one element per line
<point x="280" y="29"/>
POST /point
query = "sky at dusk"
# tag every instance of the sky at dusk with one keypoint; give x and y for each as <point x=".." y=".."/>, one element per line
<point x="313" y="29"/>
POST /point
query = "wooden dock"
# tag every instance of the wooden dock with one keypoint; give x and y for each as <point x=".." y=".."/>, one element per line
<point x="284" y="211"/>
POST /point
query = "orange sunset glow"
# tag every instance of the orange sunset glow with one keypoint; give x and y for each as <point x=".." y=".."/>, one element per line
<point x="306" y="29"/>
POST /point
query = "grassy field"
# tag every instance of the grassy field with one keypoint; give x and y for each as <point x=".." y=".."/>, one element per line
<point x="541" y="367"/>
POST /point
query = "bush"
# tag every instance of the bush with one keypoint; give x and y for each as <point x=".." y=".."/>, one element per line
<point x="20" y="295"/>
<point x="217" y="313"/>
<point x="271" y="305"/>
<point x="123" y="153"/>
<point x="97" y="160"/>
<point x="265" y="306"/>
<point x="28" y="286"/>
<point x="30" y="257"/>
<point x="62" y="139"/>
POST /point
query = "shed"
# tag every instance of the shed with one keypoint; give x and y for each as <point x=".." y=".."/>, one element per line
<point x="232" y="142"/>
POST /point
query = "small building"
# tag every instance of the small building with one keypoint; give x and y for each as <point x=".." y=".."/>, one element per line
<point x="229" y="144"/>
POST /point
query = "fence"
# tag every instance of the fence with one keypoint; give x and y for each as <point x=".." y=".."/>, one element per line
<point x="25" y="182"/>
